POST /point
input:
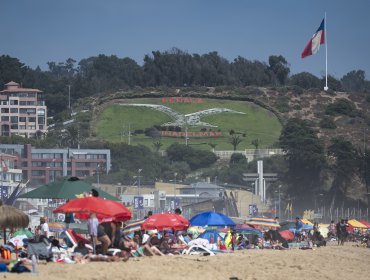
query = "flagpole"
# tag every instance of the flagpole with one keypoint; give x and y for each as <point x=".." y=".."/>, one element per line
<point x="326" y="57"/>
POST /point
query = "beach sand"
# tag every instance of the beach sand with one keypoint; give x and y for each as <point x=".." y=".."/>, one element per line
<point x="331" y="262"/>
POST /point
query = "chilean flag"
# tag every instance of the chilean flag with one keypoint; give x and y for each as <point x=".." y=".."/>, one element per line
<point x="317" y="39"/>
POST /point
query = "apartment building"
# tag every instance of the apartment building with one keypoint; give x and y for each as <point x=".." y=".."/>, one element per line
<point x="41" y="166"/>
<point x="22" y="111"/>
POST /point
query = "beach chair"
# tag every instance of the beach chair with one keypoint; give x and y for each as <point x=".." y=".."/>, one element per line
<point x="72" y="239"/>
<point x="197" y="249"/>
<point x="40" y="249"/>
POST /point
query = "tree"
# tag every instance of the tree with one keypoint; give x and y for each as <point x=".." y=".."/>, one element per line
<point x="157" y="146"/>
<point x="305" y="80"/>
<point x="235" y="140"/>
<point x="279" y="68"/>
<point x="344" y="157"/>
<point x="304" y="153"/>
<point x="354" y="81"/>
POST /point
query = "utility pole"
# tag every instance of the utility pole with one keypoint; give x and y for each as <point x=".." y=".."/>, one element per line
<point x="69" y="97"/>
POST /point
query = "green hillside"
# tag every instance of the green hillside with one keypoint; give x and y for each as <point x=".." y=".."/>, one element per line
<point x="114" y="122"/>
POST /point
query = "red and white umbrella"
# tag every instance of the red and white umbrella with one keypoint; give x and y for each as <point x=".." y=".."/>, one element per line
<point x="165" y="221"/>
<point x="104" y="208"/>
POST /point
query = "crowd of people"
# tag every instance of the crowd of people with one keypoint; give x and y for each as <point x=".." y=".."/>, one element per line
<point x="107" y="242"/>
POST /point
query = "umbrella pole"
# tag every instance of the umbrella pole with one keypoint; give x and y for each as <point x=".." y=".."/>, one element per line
<point x="4" y="236"/>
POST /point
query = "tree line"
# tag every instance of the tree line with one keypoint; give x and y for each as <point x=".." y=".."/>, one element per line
<point x="173" y="68"/>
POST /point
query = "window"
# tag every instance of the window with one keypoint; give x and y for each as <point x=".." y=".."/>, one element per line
<point x="4" y="110"/>
<point x="14" y="126"/>
<point x="22" y="127"/>
<point x="4" y="118"/>
<point x="14" y="110"/>
<point x="41" y="120"/>
<point x="38" y="173"/>
<point x="40" y="111"/>
<point x="31" y="119"/>
<point x="13" y="102"/>
<point x="13" y="119"/>
<point x="22" y="119"/>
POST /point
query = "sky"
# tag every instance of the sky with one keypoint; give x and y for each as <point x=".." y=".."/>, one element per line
<point x="41" y="31"/>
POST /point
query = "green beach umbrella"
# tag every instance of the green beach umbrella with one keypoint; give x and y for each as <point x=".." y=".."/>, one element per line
<point x="69" y="188"/>
<point x="23" y="232"/>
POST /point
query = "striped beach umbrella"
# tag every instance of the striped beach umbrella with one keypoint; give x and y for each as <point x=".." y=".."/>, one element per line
<point x="262" y="222"/>
<point x="132" y="226"/>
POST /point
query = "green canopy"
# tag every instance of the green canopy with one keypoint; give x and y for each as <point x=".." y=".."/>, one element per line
<point x="69" y="188"/>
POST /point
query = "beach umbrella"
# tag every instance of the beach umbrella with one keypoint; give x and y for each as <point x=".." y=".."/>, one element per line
<point x="56" y="227"/>
<point x="206" y="219"/>
<point x="165" y="221"/>
<point x="287" y="234"/>
<point x="68" y="188"/>
<point x="25" y="232"/>
<point x="262" y="222"/>
<point x="11" y="217"/>
<point x="286" y="225"/>
<point x="356" y="224"/>
<point x="104" y="208"/>
<point x="365" y="223"/>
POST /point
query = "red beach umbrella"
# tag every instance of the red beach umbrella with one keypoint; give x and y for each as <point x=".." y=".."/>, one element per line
<point x="287" y="234"/>
<point x="165" y="221"/>
<point x="104" y="208"/>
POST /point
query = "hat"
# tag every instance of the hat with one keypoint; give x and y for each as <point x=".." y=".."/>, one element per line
<point x="153" y="231"/>
<point x="145" y="238"/>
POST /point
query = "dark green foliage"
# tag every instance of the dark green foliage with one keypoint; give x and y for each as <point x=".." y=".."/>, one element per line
<point x="327" y="122"/>
<point x="305" y="157"/>
<point x="279" y="69"/>
<point x="282" y="104"/>
<point x="237" y="158"/>
<point x="194" y="158"/>
<point x="305" y="80"/>
<point x="354" y="81"/>
<point x="341" y="107"/>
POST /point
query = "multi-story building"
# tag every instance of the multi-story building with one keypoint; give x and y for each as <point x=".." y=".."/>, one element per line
<point x="10" y="176"/>
<point x="22" y="111"/>
<point x="41" y="166"/>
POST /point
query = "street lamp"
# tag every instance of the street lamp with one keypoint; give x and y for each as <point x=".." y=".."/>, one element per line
<point x="279" y="201"/>
<point x="138" y="182"/>
<point x="97" y="174"/>
<point x="69" y="97"/>
<point x="174" y="185"/>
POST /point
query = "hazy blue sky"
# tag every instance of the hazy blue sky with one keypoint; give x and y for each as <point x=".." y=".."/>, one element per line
<point x="39" y="31"/>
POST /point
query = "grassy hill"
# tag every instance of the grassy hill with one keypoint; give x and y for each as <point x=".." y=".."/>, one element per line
<point x="114" y="121"/>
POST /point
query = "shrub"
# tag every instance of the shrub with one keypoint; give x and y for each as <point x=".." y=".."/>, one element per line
<point x="327" y="122"/>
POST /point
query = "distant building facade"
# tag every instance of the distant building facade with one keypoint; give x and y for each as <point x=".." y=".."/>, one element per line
<point x="41" y="166"/>
<point x="22" y="112"/>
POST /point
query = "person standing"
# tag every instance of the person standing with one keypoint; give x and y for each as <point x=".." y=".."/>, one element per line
<point x="44" y="226"/>
<point x="92" y="227"/>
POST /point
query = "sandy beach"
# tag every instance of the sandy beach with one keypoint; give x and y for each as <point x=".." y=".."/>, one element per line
<point x="328" y="262"/>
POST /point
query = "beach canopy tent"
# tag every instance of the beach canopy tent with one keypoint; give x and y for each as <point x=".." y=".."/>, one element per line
<point x="105" y="209"/>
<point x="211" y="219"/>
<point x="262" y="222"/>
<point x="365" y="223"/>
<point x="11" y="217"/>
<point x="165" y="221"/>
<point x="356" y="224"/>
<point x="68" y="188"/>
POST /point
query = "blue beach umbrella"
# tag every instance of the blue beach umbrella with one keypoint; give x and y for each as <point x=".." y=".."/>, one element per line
<point x="207" y="219"/>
